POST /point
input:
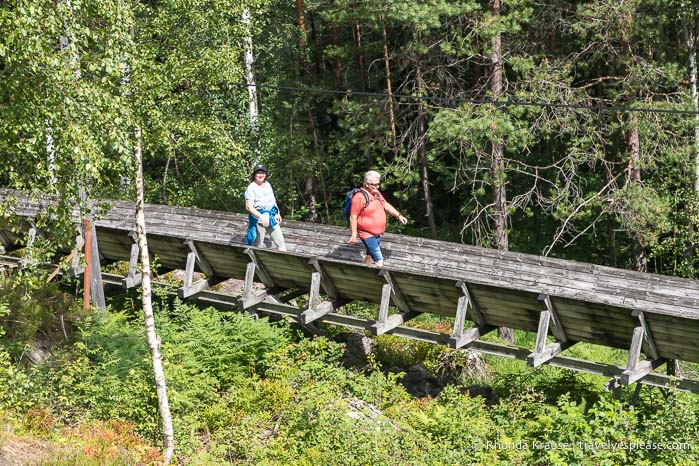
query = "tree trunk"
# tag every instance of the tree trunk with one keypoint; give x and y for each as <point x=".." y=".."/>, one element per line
<point x="151" y="335"/>
<point x="498" y="149"/>
<point x="250" y="74"/>
<point x="633" y="176"/>
<point x="497" y="156"/>
<point x="389" y="90"/>
<point x="317" y="47"/>
<point x="338" y="66"/>
<point x="357" y="33"/>
<point x="611" y="231"/>
<point x="301" y="15"/>
<point x="691" y="39"/>
<point x="326" y="200"/>
<point x="422" y="141"/>
<point x="163" y="188"/>
<point x="312" y="202"/>
<point x="50" y="157"/>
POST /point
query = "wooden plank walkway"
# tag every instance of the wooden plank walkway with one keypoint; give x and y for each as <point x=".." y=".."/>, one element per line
<point x="654" y="317"/>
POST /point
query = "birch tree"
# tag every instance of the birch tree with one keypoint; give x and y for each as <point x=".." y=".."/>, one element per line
<point x="151" y="334"/>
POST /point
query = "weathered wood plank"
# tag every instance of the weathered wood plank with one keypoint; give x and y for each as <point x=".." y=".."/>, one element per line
<point x="640" y="370"/>
<point x="133" y="278"/>
<point x="260" y="268"/>
<point x="469" y="336"/>
<point x="393" y="321"/>
<point x="519" y="276"/>
<point x="554" y="320"/>
<point x="547" y="353"/>
<point x="326" y="280"/>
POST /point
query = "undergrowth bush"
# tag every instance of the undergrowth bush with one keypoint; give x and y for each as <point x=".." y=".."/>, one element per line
<point x="246" y="391"/>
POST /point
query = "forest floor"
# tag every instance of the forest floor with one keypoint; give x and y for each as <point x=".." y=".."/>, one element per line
<point x="23" y="450"/>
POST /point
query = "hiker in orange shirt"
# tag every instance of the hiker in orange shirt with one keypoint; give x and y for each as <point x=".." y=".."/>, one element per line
<point x="368" y="219"/>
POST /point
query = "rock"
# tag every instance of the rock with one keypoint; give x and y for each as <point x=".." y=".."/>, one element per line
<point x="456" y="366"/>
<point x="358" y="347"/>
<point x="419" y="382"/>
<point x="38" y="351"/>
<point x="484" y="391"/>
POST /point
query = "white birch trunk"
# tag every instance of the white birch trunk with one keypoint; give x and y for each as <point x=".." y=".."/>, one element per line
<point x="250" y="72"/>
<point x="692" y="49"/>
<point x="152" y="336"/>
<point x="50" y="157"/>
<point x="692" y="46"/>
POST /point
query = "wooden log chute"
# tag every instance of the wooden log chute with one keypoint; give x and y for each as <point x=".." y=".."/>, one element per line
<point x="562" y="302"/>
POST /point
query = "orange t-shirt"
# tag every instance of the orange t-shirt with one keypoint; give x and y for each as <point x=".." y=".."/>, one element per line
<point x="372" y="220"/>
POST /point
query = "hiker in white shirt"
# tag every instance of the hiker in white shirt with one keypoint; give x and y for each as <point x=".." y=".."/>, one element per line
<point x="263" y="213"/>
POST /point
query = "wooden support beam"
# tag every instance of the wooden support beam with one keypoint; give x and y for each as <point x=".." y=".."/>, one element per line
<point x="317" y="309"/>
<point x="543" y="331"/>
<point x="249" y="279"/>
<point x="262" y="273"/>
<point x="635" y="369"/>
<point x="96" y="285"/>
<point x="548" y="317"/>
<point x="648" y="342"/>
<point x="398" y="297"/>
<point x="386" y="323"/>
<point x="635" y="350"/>
<point x="134" y="277"/>
<point x="393" y="321"/>
<point x="325" y="280"/>
<point x="314" y="292"/>
<point x="320" y="310"/>
<point x="76" y="268"/>
<point x="199" y="258"/>
<point x="385" y="302"/>
<point x="555" y="321"/>
<point x="274" y="306"/>
<point x="643" y="368"/>
<point x="8" y="265"/>
<point x="461" y="337"/>
<point x="548" y="352"/>
<point x="196" y="258"/>
<point x="474" y="311"/>
<point x="189" y="270"/>
<point x="294" y="316"/>
<point x="468" y="336"/>
<point x="253" y="299"/>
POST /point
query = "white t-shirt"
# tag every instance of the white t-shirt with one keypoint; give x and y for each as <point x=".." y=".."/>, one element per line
<point x="262" y="196"/>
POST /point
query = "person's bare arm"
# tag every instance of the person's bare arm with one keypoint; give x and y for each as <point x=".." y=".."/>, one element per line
<point x="353" y="229"/>
<point x="249" y="207"/>
<point x="394" y="213"/>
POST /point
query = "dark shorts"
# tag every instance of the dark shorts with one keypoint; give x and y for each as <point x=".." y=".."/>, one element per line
<point x="373" y="247"/>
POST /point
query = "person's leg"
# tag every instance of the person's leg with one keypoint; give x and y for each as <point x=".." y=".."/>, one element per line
<point x="278" y="238"/>
<point x="373" y="249"/>
<point x="260" y="240"/>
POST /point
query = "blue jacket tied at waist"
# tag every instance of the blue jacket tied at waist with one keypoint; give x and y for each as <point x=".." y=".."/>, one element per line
<point x="252" y="224"/>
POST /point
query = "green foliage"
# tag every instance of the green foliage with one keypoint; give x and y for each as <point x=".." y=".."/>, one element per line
<point x="218" y="346"/>
<point x="242" y="390"/>
<point x="29" y="309"/>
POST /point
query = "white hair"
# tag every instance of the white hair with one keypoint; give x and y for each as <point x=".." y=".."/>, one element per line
<point x="371" y="175"/>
